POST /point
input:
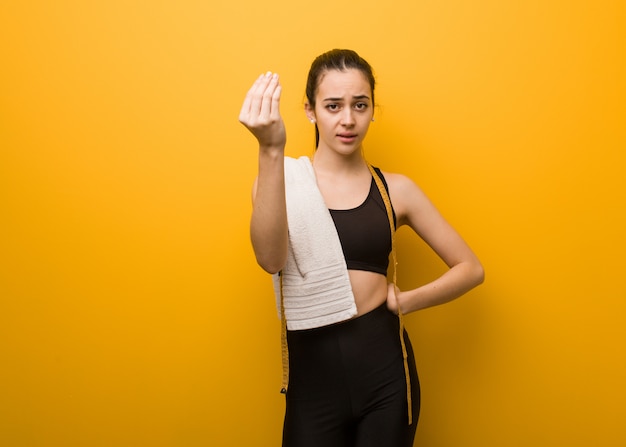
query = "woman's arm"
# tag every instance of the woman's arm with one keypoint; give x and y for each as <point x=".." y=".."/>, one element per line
<point x="465" y="270"/>
<point x="260" y="113"/>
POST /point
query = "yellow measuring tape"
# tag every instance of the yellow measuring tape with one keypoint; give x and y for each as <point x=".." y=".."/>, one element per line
<point x="392" y="225"/>
<point x="283" y="339"/>
<point x="283" y="321"/>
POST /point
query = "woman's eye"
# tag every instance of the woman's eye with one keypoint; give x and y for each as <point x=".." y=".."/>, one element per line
<point x="361" y="106"/>
<point x="332" y="107"/>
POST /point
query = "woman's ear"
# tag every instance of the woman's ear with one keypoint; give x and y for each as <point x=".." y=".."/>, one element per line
<point x="310" y="112"/>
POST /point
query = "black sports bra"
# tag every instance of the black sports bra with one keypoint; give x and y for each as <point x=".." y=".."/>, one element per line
<point x="364" y="232"/>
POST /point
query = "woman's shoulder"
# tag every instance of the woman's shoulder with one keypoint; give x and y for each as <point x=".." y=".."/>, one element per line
<point x="398" y="181"/>
<point x="405" y="194"/>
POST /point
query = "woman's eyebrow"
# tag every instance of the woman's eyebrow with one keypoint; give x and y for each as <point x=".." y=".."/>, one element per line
<point x="358" y="97"/>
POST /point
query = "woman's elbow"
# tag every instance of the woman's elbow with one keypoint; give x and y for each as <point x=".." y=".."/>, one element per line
<point x="478" y="274"/>
<point x="270" y="264"/>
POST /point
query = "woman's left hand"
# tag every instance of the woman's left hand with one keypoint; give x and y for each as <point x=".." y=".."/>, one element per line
<point x="392" y="298"/>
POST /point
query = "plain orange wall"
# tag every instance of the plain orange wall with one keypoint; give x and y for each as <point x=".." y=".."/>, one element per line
<point x="132" y="312"/>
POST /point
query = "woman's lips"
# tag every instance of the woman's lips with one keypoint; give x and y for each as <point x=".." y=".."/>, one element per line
<point x="346" y="137"/>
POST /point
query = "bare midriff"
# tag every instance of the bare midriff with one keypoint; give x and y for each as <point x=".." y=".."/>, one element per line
<point x="369" y="288"/>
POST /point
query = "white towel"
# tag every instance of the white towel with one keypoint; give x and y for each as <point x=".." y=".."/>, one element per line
<point x="316" y="285"/>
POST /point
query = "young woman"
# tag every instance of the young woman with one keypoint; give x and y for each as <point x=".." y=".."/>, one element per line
<point x="324" y="228"/>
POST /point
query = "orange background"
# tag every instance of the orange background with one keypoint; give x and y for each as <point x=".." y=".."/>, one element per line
<point x="132" y="312"/>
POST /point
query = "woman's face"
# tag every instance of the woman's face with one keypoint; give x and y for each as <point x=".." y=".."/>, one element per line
<point x="343" y="110"/>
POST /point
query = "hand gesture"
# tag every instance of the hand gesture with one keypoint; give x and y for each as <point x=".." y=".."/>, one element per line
<point x="260" y="112"/>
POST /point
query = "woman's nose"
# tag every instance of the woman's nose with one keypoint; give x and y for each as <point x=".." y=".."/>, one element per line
<point x="347" y="117"/>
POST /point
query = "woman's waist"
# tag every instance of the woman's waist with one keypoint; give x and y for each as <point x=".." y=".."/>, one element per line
<point x="369" y="290"/>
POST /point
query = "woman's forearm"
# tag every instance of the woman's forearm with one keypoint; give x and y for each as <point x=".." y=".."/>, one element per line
<point x="268" y="225"/>
<point x="457" y="281"/>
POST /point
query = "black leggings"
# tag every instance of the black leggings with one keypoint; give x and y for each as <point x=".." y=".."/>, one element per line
<point x="347" y="386"/>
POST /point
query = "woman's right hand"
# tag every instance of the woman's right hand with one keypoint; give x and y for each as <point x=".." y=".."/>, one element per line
<point x="260" y="112"/>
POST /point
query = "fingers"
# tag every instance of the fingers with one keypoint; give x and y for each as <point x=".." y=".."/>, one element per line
<point x="275" y="112"/>
<point x="267" y="98"/>
<point x="258" y="91"/>
<point x="262" y="100"/>
<point x="247" y="103"/>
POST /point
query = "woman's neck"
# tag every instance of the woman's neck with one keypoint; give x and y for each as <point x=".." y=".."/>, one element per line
<point x="331" y="162"/>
